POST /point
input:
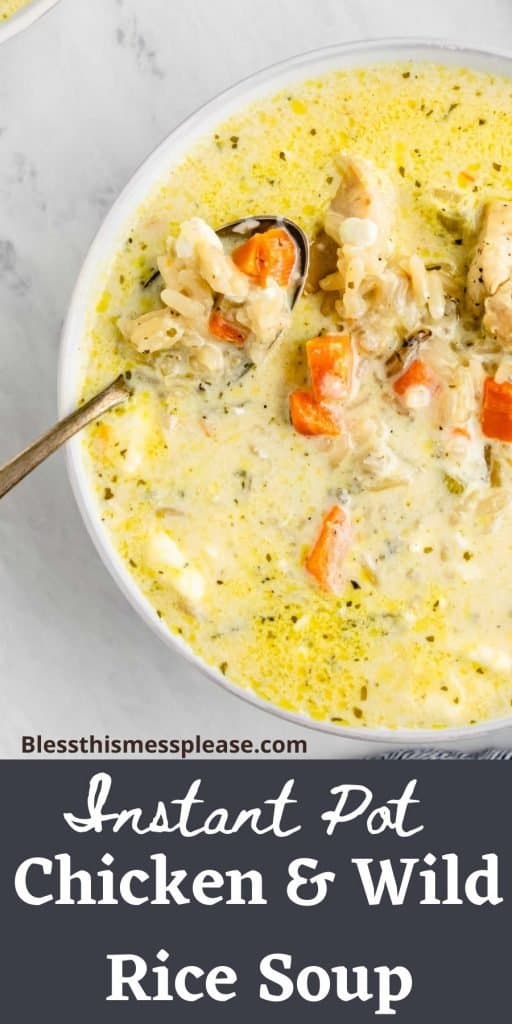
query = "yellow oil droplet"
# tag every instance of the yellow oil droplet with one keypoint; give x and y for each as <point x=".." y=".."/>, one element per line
<point x="465" y="179"/>
<point x="103" y="302"/>
<point x="399" y="151"/>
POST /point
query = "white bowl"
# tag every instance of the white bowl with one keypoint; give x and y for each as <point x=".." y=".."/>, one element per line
<point x="24" y="18"/>
<point x="107" y="243"/>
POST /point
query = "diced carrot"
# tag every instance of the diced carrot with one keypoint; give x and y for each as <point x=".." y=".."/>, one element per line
<point x="247" y="258"/>
<point x="268" y="254"/>
<point x="331" y="366"/>
<point x="309" y="417"/>
<point x="461" y="432"/>
<point x="224" y="329"/>
<point x="496" y="414"/>
<point x="327" y="556"/>
<point x="417" y="374"/>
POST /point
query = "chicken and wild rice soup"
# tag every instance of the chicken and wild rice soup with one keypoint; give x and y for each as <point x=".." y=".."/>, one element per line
<point x="331" y="527"/>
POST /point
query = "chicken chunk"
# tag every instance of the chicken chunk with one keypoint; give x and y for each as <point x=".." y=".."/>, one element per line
<point x="365" y="195"/>
<point x="266" y="313"/>
<point x="490" y="272"/>
<point x="198" y="245"/>
<point x="497" y="320"/>
<point x="152" y="332"/>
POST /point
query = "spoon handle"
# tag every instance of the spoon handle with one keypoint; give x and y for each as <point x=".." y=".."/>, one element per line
<point x="23" y="464"/>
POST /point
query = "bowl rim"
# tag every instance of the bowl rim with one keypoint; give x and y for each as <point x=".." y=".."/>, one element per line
<point x="25" y="17"/>
<point x="102" y="251"/>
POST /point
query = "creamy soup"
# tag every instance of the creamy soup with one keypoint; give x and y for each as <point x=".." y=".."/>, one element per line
<point x="332" y="528"/>
<point x="10" y="7"/>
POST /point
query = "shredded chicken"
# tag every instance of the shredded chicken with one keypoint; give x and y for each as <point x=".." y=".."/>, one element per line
<point x="152" y="332"/>
<point x="498" y="315"/>
<point x="366" y="199"/>
<point x="199" y="248"/>
<point x="489" y="284"/>
<point x="266" y="313"/>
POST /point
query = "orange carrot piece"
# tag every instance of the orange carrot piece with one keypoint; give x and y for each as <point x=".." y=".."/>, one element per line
<point x="331" y="366"/>
<point x="417" y="374"/>
<point x="247" y="258"/>
<point x="496" y="417"/>
<point x="309" y="417"/>
<point x="327" y="556"/>
<point x="224" y="329"/>
<point x="268" y="254"/>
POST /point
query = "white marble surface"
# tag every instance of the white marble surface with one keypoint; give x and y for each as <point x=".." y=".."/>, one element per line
<point x="84" y="95"/>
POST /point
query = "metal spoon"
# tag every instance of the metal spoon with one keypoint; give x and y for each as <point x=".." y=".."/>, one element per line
<point x="119" y="390"/>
